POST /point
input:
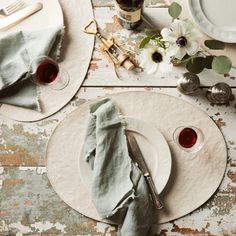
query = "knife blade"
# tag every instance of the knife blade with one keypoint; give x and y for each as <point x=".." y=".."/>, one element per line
<point x="11" y="20"/>
<point x="137" y="157"/>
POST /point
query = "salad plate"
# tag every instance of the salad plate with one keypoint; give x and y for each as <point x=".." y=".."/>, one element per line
<point x="216" y="18"/>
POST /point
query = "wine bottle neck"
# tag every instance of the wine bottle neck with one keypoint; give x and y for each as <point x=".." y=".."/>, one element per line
<point x="128" y="16"/>
<point x="129" y="5"/>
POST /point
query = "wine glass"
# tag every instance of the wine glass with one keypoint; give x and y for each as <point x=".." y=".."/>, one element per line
<point x="189" y="138"/>
<point x="46" y="72"/>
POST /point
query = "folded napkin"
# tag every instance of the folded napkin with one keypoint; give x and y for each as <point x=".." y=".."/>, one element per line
<point x="119" y="190"/>
<point x="17" y="51"/>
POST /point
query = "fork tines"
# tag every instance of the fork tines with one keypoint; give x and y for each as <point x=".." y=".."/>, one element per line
<point x="14" y="6"/>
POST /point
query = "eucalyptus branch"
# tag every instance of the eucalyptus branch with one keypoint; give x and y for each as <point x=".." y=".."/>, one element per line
<point x="177" y="43"/>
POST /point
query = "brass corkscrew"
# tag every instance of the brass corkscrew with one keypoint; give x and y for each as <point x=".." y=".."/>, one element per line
<point x="114" y="52"/>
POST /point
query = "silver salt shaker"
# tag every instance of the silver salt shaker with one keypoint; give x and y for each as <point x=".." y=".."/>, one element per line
<point x="189" y="83"/>
<point x="219" y="93"/>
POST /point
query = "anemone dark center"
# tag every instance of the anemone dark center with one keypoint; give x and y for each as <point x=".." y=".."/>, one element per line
<point x="157" y="57"/>
<point x="181" y="41"/>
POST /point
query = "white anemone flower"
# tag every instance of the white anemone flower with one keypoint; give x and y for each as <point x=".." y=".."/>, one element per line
<point x="154" y="60"/>
<point x="182" y="39"/>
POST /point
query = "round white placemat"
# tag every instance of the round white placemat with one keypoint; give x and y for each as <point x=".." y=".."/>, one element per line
<point x="194" y="177"/>
<point x="76" y="54"/>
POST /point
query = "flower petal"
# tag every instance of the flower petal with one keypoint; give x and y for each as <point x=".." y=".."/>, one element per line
<point x="194" y="34"/>
<point x="179" y="28"/>
<point x="188" y="25"/>
<point x="172" y="50"/>
<point x="161" y="51"/>
<point x="180" y="53"/>
<point x="168" y="35"/>
<point x="165" y="68"/>
<point x="151" y="68"/>
<point x="166" y="58"/>
<point x="192" y="48"/>
<point x="145" y="56"/>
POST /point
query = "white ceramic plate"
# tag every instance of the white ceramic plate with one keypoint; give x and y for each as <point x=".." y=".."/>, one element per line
<point x="154" y="149"/>
<point x="216" y="18"/>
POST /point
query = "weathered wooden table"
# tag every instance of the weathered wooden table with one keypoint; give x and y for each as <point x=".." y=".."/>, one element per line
<point x="29" y="205"/>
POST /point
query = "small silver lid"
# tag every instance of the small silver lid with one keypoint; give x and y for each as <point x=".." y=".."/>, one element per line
<point x="219" y="93"/>
<point x="188" y="83"/>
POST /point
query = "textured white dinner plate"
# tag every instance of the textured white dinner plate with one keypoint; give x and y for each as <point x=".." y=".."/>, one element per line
<point x="76" y="53"/>
<point x="216" y="18"/>
<point x="153" y="147"/>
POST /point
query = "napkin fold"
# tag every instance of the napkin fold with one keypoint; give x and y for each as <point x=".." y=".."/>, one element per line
<point x="17" y="51"/>
<point x="119" y="190"/>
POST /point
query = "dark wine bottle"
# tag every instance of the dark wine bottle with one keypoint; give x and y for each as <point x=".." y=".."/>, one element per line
<point x="129" y="13"/>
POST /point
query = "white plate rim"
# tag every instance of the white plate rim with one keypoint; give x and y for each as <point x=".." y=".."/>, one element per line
<point x="206" y="26"/>
<point x="156" y="139"/>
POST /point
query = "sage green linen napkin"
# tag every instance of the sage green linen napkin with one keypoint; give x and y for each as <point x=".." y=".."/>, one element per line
<point x="17" y="50"/>
<point x="119" y="190"/>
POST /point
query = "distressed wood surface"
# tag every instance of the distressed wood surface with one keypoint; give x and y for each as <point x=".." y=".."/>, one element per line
<point x="23" y="144"/>
<point x="102" y="73"/>
<point x="29" y="205"/>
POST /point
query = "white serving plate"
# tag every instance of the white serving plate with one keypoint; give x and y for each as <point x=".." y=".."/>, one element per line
<point x="216" y="18"/>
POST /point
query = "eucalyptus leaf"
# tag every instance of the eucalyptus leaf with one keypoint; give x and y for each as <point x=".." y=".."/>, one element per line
<point x="175" y="10"/>
<point x="144" y="42"/>
<point x="196" y="65"/>
<point x="221" y="64"/>
<point x="151" y="32"/>
<point x="215" y="44"/>
<point x="208" y="62"/>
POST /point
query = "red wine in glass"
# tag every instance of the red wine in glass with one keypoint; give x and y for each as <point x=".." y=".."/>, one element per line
<point x="187" y="138"/>
<point x="47" y="72"/>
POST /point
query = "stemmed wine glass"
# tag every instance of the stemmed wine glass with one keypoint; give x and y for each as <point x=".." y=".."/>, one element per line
<point x="46" y="72"/>
<point x="189" y="138"/>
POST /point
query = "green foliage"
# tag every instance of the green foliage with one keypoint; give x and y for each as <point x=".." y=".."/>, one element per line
<point x="214" y="44"/>
<point x="159" y="42"/>
<point x="195" y="65"/>
<point x="152" y="32"/>
<point x="175" y="10"/>
<point x="152" y="35"/>
<point x="144" y="42"/>
<point x="221" y="65"/>
<point x="208" y="62"/>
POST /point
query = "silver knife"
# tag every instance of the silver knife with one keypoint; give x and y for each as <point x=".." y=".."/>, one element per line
<point x="137" y="157"/>
<point x="11" y="20"/>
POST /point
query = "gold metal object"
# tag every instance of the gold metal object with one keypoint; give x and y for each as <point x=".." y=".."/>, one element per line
<point x="114" y="52"/>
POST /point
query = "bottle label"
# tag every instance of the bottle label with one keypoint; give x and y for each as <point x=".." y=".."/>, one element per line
<point x="128" y="16"/>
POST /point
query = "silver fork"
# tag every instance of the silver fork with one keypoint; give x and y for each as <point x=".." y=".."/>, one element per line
<point x="12" y="7"/>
